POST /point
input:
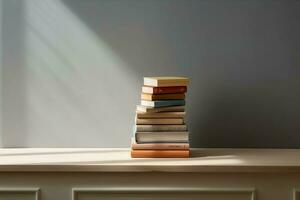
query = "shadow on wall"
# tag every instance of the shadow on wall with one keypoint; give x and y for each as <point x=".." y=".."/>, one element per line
<point x="240" y="56"/>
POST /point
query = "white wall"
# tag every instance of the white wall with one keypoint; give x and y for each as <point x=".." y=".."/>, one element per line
<point x="72" y="69"/>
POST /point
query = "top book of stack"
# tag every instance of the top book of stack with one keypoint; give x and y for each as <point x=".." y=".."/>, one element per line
<point x="165" y="81"/>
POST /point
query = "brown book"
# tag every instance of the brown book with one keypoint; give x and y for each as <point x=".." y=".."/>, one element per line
<point x="160" y="153"/>
<point x="164" y="90"/>
<point x="166" y="81"/>
<point x="145" y="115"/>
<point x="159" y="146"/>
<point x="152" y="97"/>
<point x="159" y="121"/>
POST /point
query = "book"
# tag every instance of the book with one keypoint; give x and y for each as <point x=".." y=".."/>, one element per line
<point x="162" y="103"/>
<point x="150" y="127"/>
<point x="156" y="146"/>
<point x="160" y="153"/>
<point x="167" y="81"/>
<point x="162" y="137"/>
<point x="144" y="115"/>
<point x="141" y="108"/>
<point x="151" y="97"/>
<point x="159" y="121"/>
<point x="164" y="90"/>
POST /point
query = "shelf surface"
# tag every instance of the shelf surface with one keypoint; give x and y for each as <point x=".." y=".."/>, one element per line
<point x="118" y="160"/>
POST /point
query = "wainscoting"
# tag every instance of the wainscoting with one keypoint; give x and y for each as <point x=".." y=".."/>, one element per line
<point x="86" y="174"/>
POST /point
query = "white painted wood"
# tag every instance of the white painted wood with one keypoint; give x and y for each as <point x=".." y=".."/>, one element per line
<point x="19" y="193"/>
<point x="90" y="174"/>
<point x="118" y="160"/>
<point x="164" y="193"/>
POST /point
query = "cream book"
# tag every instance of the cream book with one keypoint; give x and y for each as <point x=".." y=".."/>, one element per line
<point x="157" y="146"/>
<point x="159" y="121"/>
<point x="162" y="109"/>
<point x="151" y="127"/>
<point x="160" y="137"/>
<point x="166" y="81"/>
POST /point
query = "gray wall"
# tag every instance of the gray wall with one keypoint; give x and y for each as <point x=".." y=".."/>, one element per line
<point x="72" y="69"/>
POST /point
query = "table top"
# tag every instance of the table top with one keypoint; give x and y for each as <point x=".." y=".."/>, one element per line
<point x="119" y="160"/>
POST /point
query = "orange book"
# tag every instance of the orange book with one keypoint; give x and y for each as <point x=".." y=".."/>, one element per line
<point x="160" y="153"/>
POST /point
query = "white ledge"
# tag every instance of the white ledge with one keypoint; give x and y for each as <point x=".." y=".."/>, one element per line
<point x="118" y="160"/>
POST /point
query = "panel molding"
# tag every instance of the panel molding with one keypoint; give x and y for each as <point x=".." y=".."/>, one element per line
<point x="139" y="190"/>
<point x="296" y="192"/>
<point x="35" y="191"/>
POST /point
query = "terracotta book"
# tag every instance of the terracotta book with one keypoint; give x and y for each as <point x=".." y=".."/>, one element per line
<point x="160" y="153"/>
<point x="152" y="97"/>
<point x="164" y="90"/>
<point x="166" y="81"/>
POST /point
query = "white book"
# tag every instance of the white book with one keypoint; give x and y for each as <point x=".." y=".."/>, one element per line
<point x="160" y="137"/>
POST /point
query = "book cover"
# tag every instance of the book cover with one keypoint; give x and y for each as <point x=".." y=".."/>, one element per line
<point x="167" y="81"/>
<point x="148" y="109"/>
<point x="159" y="146"/>
<point x="164" y="90"/>
<point x="165" y="103"/>
<point x="152" y="97"/>
<point x="159" y="121"/>
<point x="160" y="153"/>
<point x="145" y="115"/>
<point x="157" y="128"/>
<point x="162" y="137"/>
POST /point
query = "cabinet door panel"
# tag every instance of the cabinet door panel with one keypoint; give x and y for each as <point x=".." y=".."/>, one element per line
<point x="153" y="195"/>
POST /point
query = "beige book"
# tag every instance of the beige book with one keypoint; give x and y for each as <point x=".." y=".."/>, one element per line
<point x="143" y="115"/>
<point x="152" y="97"/>
<point x="159" y="121"/>
<point x="167" y="81"/>
<point x="157" y="146"/>
<point x="154" y="128"/>
<point x="159" y="137"/>
<point x="162" y="109"/>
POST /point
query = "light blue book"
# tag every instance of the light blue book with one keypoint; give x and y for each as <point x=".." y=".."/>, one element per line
<point x="163" y="103"/>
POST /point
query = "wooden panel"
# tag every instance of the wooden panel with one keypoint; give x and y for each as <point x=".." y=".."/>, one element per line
<point x="19" y="194"/>
<point x="296" y="194"/>
<point x="163" y="194"/>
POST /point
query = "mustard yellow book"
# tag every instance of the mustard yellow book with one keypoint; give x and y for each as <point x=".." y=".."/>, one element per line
<point x="152" y="97"/>
<point x="166" y="81"/>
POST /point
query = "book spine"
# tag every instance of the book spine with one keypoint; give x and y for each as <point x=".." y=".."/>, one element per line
<point x="169" y="90"/>
<point x="160" y="121"/>
<point x="158" y="104"/>
<point x="160" y="153"/>
<point x="141" y="128"/>
<point x="157" y="146"/>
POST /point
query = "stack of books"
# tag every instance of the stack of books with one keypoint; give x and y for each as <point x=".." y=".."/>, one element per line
<point x="160" y="130"/>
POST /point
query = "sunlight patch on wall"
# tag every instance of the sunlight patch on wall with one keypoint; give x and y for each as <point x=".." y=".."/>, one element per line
<point x="77" y="87"/>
